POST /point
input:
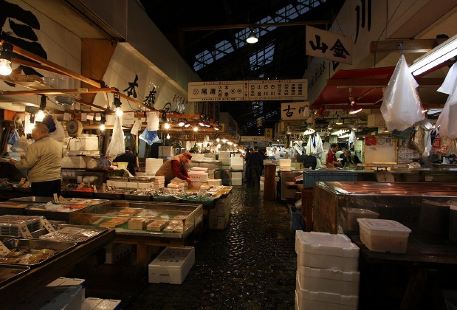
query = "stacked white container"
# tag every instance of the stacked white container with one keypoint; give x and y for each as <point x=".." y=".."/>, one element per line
<point x="224" y="157"/>
<point x="159" y="181"/>
<point x="327" y="276"/>
<point x="152" y="165"/>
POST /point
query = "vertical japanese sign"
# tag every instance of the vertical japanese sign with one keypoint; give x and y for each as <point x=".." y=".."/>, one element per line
<point x="294" y="111"/>
<point x="328" y="45"/>
<point x="268" y="133"/>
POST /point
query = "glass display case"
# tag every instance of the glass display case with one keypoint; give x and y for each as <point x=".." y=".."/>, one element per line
<point x="423" y="207"/>
<point x="161" y="219"/>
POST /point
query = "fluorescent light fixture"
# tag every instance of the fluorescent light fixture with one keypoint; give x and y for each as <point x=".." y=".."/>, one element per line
<point x="187" y="125"/>
<point x="355" y="109"/>
<point x="181" y="123"/>
<point x="339" y="122"/>
<point x="309" y="131"/>
<point x="436" y="56"/>
<point x="252" y="38"/>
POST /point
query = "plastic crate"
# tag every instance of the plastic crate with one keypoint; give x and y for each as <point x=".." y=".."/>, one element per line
<point x="311" y="177"/>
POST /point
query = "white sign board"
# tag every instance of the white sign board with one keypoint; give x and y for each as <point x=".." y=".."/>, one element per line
<point x="255" y="90"/>
<point x="294" y="111"/>
<point x="328" y="45"/>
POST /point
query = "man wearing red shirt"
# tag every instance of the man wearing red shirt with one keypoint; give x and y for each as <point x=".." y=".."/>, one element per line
<point x="176" y="168"/>
<point x="331" y="161"/>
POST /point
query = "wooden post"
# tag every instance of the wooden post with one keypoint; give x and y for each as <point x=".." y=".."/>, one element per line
<point x="269" y="192"/>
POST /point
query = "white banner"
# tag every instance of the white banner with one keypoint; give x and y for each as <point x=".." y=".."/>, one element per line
<point x="328" y="45"/>
<point x="295" y="111"/>
<point x="255" y="90"/>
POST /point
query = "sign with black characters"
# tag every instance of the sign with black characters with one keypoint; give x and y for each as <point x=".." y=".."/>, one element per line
<point x="255" y="90"/>
<point x="294" y="110"/>
<point x="328" y="45"/>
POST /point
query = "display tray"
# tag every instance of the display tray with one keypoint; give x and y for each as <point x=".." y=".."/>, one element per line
<point x="169" y="220"/>
<point x="34" y="251"/>
<point x="12" y="207"/>
<point x="29" y="199"/>
<point x="9" y="273"/>
<point x="73" y="233"/>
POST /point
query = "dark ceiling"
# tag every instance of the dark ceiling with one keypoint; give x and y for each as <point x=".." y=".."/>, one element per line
<point x="223" y="54"/>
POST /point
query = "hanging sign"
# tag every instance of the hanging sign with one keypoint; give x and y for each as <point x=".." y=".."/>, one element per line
<point x="254" y="139"/>
<point x="268" y="133"/>
<point x="256" y="90"/>
<point x="329" y="45"/>
<point x="294" y="111"/>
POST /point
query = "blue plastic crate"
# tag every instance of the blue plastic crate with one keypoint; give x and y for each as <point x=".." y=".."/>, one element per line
<point x="311" y="177"/>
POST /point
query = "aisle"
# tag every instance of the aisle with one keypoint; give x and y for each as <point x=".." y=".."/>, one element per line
<point x="250" y="265"/>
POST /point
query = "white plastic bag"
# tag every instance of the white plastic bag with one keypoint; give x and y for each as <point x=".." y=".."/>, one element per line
<point x="117" y="143"/>
<point x="447" y="121"/>
<point x="136" y="127"/>
<point x="401" y="107"/>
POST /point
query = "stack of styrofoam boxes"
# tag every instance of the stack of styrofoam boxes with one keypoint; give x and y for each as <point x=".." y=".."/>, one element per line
<point x="219" y="216"/>
<point x="224" y="158"/>
<point x="62" y="293"/>
<point x="152" y="165"/>
<point x="166" y="151"/>
<point x="92" y="303"/>
<point x="198" y="177"/>
<point x="327" y="276"/>
<point x="159" y="181"/>
<point x="172" y="265"/>
<point x="84" y="145"/>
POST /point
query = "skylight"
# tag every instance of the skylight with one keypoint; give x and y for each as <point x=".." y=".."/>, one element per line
<point x="262" y="57"/>
<point x="284" y="14"/>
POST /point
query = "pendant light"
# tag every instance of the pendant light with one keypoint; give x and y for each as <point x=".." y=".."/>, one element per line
<point x="252" y="37"/>
<point x="5" y="59"/>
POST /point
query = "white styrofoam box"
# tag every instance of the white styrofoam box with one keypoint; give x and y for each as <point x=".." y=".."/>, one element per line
<point x="73" y="162"/>
<point x="324" y="301"/>
<point x="204" y="169"/>
<point x="214" y="182"/>
<point x="236" y="161"/>
<point x="328" y="280"/>
<point x="198" y="176"/>
<point x="152" y="165"/>
<point x="324" y="250"/>
<point x="92" y="303"/>
<point x="237" y="181"/>
<point x="285" y="162"/>
<point x="237" y="167"/>
<point x="237" y="175"/>
<point x="83" y="143"/>
<point x="172" y="265"/>
<point x="384" y="235"/>
<point x="224" y="155"/>
<point x="144" y="185"/>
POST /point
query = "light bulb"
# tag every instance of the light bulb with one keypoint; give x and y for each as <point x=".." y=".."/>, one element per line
<point x="218" y="140"/>
<point x="218" y="145"/>
<point x="195" y="128"/>
<point x="187" y="125"/>
<point x="5" y="67"/>
<point x="119" y="112"/>
<point x="224" y="140"/>
<point x="39" y="116"/>
<point x="102" y="127"/>
<point x="201" y="124"/>
<point x="168" y="137"/>
<point x="166" y="126"/>
<point x="216" y="128"/>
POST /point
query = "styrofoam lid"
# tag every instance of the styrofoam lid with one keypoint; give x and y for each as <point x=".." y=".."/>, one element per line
<point x="327" y="244"/>
<point x="380" y="225"/>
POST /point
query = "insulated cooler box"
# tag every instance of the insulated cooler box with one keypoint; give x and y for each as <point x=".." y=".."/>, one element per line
<point x="172" y="265"/>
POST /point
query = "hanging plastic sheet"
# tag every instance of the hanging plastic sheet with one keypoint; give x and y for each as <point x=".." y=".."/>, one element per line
<point x="446" y="123"/>
<point x="117" y="143"/>
<point x="136" y="127"/>
<point x="401" y="107"/>
<point x="150" y="137"/>
<point x="314" y="146"/>
<point x="152" y="120"/>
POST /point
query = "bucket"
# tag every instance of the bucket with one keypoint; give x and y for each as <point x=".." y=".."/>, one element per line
<point x="122" y="165"/>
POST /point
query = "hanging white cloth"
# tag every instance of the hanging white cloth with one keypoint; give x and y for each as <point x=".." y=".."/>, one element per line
<point x="314" y="146"/>
<point x="401" y="107"/>
<point x="153" y="120"/>
<point x="446" y="123"/>
<point x="117" y="143"/>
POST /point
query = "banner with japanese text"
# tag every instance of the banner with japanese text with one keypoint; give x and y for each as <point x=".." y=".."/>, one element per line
<point x="295" y="111"/>
<point x="328" y="45"/>
<point x="255" y="90"/>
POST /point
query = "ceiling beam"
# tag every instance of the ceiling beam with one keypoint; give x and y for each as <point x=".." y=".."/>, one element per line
<point x="263" y="25"/>
<point x="404" y="45"/>
<point x="378" y="83"/>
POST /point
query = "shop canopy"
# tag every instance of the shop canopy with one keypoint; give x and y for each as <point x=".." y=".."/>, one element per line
<point x="363" y="85"/>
